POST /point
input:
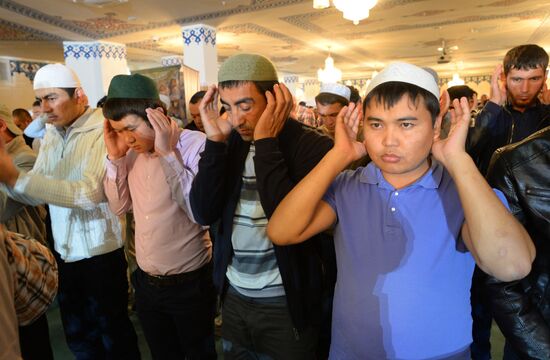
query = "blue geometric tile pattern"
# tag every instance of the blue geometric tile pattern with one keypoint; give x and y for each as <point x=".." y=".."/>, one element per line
<point x="86" y="51"/>
<point x="29" y="68"/>
<point x="199" y="34"/>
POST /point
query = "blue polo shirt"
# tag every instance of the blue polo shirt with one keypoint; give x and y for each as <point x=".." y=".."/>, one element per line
<point x="404" y="274"/>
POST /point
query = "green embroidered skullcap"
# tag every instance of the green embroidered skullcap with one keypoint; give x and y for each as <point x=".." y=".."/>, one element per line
<point x="247" y="67"/>
<point x="134" y="86"/>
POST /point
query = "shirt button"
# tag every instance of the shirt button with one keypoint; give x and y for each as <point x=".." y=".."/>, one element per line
<point x="396" y="193"/>
<point x="393" y="209"/>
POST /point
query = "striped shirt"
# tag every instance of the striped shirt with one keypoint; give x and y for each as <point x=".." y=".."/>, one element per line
<point x="253" y="270"/>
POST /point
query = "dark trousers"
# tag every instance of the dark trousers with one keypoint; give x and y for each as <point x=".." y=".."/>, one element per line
<point x="177" y="318"/>
<point x="481" y="317"/>
<point x="34" y="340"/>
<point x="257" y="328"/>
<point x="93" y="301"/>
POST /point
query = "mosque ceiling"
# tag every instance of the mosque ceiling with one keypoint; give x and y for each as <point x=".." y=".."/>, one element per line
<point x="293" y="34"/>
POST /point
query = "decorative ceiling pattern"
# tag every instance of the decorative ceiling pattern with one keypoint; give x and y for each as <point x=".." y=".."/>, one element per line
<point x="294" y="35"/>
<point x="106" y="25"/>
<point x="10" y="31"/>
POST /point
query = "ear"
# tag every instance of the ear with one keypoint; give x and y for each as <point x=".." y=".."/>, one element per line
<point x="80" y="96"/>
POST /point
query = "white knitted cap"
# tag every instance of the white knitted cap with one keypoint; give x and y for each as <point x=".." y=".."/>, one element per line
<point x="336" y="89"/>
<point x="55" y="76"/>
<point x="407" y="73"/>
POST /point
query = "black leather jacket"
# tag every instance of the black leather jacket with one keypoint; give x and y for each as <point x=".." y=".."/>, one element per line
<point x="497" y="126"/>
<point x="522" y="308"/>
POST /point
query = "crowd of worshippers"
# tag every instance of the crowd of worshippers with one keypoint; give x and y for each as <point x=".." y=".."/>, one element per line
<point x="396" y="226"/>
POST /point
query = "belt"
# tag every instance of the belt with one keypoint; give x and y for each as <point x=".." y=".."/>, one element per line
<point x="170" y="280"/>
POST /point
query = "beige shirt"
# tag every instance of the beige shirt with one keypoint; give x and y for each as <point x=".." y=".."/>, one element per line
<point x="68" y="175"/>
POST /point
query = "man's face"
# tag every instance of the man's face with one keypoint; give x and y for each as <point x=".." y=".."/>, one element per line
<point x="61" y="109"/>
<point x="135" y="132"/>
<point x="328" y="114"/>
<point x="21" y="122"/>
<point x="196" y="115"/>
<point x="36" y="111"/>
<point x="399" y="140"/>
<point x="244" y="105"/>
<point x="524" y="86"/>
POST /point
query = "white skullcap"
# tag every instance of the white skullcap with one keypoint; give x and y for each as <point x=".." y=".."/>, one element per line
<point x="55" y="76"/>
<point x="406" y="73"/>
<point x="336" y="89"/>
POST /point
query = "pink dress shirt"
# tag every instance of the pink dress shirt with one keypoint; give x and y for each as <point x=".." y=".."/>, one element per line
<point x="168" y="241"/>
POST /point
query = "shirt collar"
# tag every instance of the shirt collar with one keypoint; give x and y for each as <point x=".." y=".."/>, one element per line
<point x="371" y="174"/>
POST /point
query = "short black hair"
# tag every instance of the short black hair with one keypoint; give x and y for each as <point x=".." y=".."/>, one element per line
<point x="116" y="109"/>
<point x="261" y="86"/>
<point x="390" y="93"/>
<point x="21" y="113"/>
<point x="354" y="94"/>
<point x="69" y="91"/>
<point x="525" y="57"/>
<point x="330" y="98"/>
<point x="101" y="102"/>
<point x="197" y="97"/>
<point x="460" y="91"/>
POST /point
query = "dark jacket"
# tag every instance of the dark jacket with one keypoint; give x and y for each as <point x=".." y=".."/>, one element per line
<point x="497" y="126"/>
<point x="280" y="163"/>
<point x="192" y="126"/>
<point x="522" y="308"/>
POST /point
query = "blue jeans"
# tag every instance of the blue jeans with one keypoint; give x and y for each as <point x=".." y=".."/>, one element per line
<point x="93" y="301"/>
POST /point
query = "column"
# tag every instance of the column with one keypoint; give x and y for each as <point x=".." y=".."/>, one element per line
<point x="200" y="53"/>
<point x="95" y="63"/>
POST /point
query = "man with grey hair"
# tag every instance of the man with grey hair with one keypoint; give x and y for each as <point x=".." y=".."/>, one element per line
<point x="87" y="240"/>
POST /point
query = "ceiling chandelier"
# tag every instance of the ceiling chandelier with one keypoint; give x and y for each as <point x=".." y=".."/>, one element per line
<point x="329" y="74"/>
<point x="456" y="80"/>
<point x="354" y="10"/>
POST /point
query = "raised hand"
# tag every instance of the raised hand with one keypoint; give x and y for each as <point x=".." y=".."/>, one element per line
<point x="275" y="114"/>
<point x="166" y="131"/>
<point x="216" y="128"/>
<point x="545" y="95"/>
<point x="345" y="135"/>
<point x="498" y="86"/>
<point x="115" y="144"/>
<point x="452" y="147"/>
<point x="8" y="171"/>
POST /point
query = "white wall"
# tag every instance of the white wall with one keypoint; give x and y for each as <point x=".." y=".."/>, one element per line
<point x="18" y="93"/>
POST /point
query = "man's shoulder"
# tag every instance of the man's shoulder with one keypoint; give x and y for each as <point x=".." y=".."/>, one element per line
<point x="300" y="134"/>
<point x="530" y="148"/>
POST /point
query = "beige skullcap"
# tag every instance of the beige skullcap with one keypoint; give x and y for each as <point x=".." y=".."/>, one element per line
<point x="55" y="76"/>
<point x="406" y="73"/>
<point x="247" y="67"/>
<point x="5" y="115"/>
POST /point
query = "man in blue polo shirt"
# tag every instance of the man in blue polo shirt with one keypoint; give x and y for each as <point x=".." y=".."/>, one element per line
<point x="408" y="227"/>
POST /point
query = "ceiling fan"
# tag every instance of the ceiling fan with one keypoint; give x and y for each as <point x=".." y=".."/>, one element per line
<point x="445" y="52"/>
